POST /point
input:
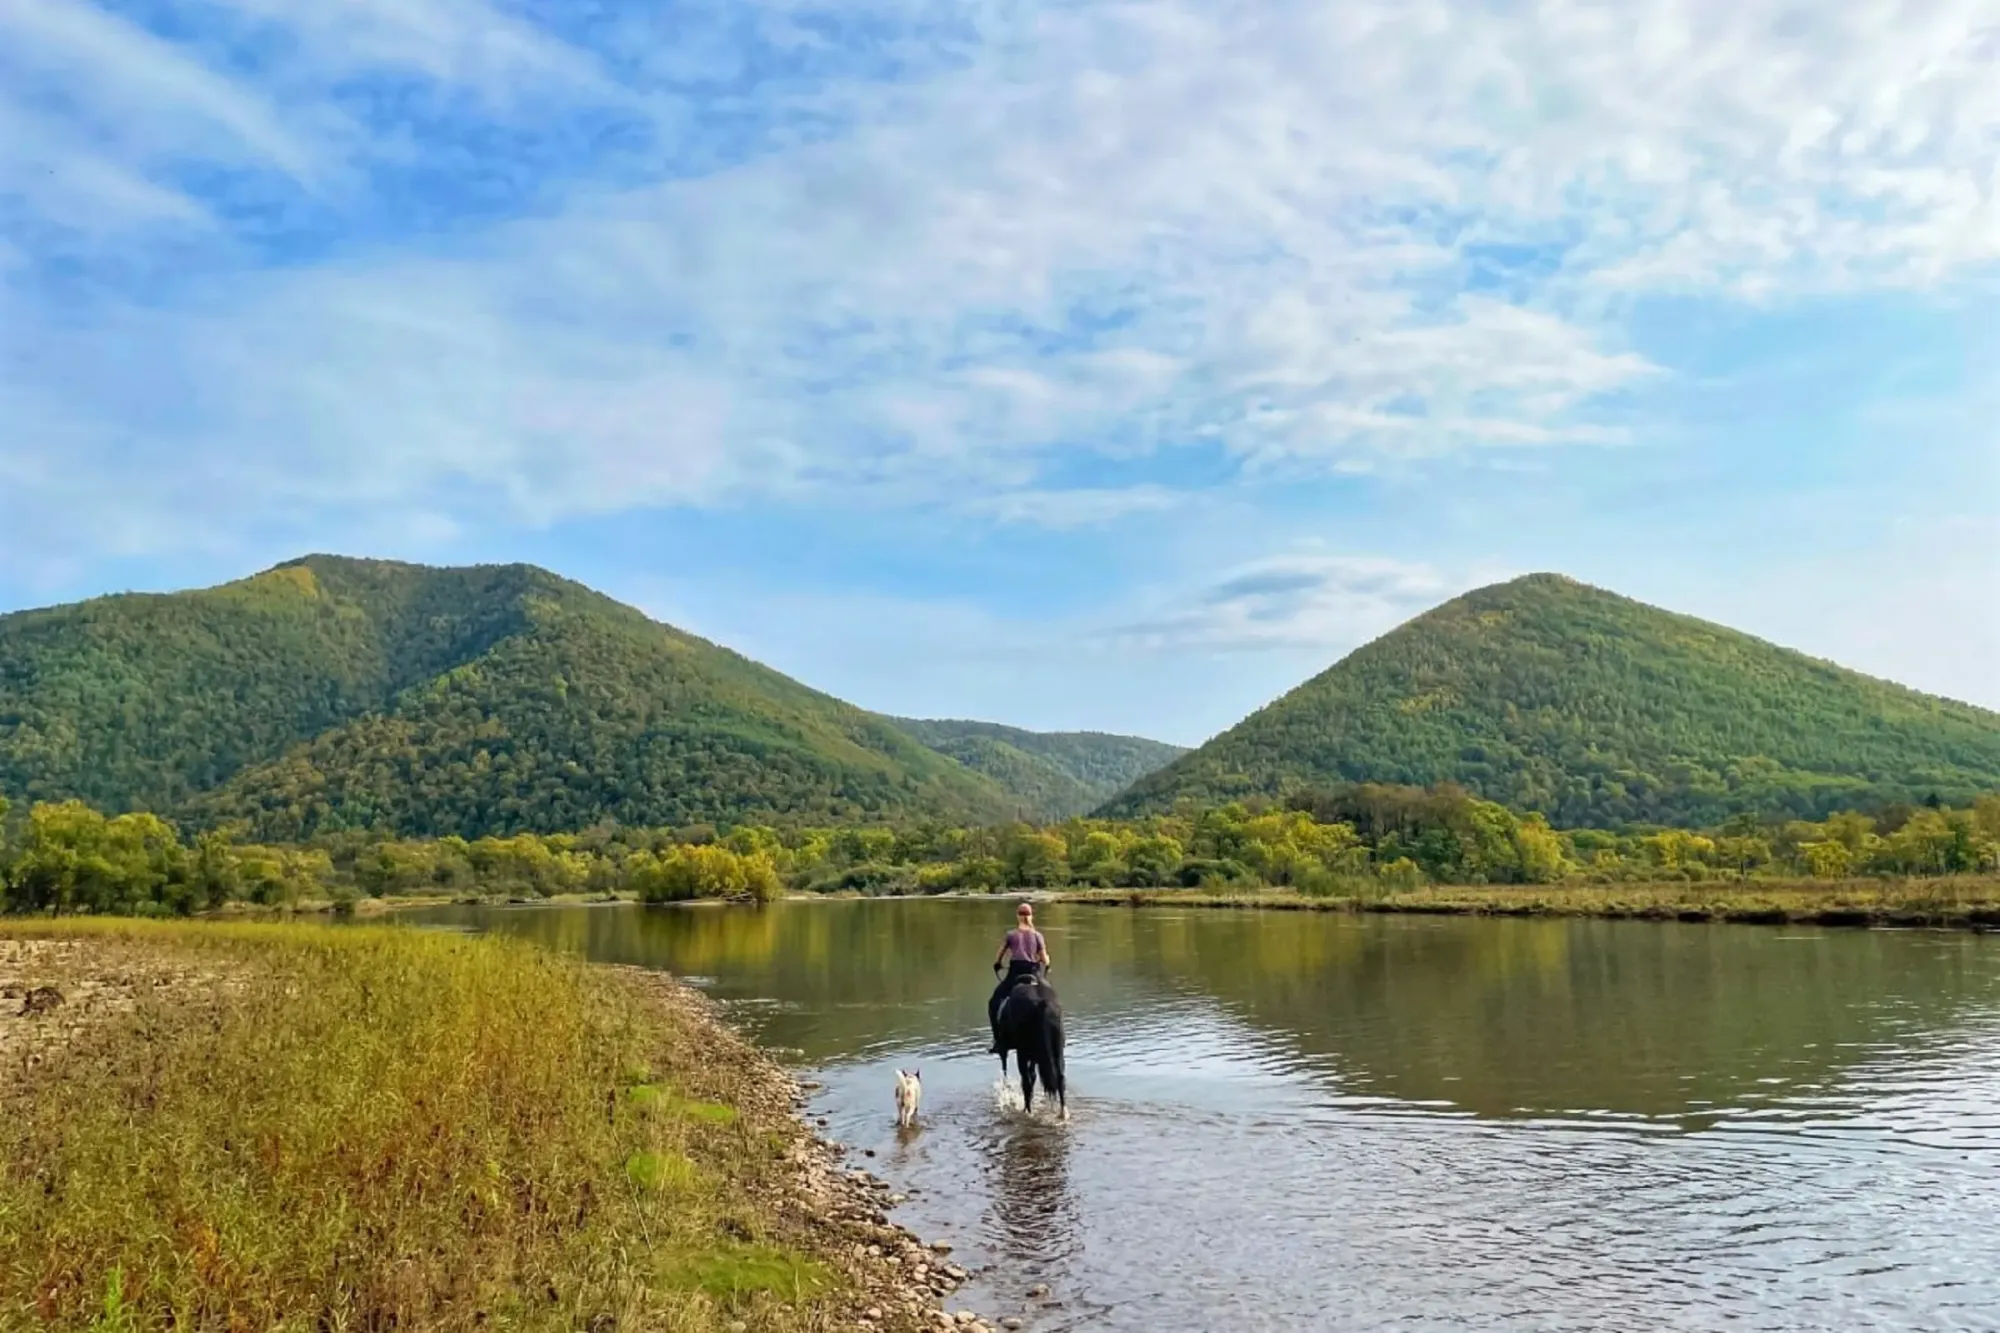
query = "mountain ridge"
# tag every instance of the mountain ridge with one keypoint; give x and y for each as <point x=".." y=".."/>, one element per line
<point x="1054" y="774"/>
<point x="1547" y="693"/>
<point x="334" y="691"/>
<point x="331" y="692"/>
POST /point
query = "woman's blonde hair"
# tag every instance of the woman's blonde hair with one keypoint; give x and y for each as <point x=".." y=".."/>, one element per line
<point x="1024" y="909"/>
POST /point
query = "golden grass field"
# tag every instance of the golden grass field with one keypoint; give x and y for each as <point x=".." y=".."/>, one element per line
<point x="246" y="1126"/>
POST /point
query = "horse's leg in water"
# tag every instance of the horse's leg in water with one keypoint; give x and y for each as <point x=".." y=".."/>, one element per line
<point x="1056" y="1075"/>
<point x="993" y="1005"/>
<point x="999" y="1045"/>
<point x="1025" y="1059"/>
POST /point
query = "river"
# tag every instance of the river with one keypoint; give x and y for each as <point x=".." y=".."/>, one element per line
<point x="1292" y="1120"/>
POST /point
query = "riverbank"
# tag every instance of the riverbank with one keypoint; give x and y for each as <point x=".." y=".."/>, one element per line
<point x="1970" y="902"/>
<point x="1965" y="902"/>
<point x="239" y="1125"/>
<point x="362" y="905"/>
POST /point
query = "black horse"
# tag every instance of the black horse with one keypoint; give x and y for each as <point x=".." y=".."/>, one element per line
<point x="1030" y="1024"/>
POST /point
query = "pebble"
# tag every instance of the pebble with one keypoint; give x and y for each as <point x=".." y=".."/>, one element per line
<point x="941" y="1246"/>
<point x="1011" y="1322"/>
<point x="868" y="1152"/>
<point x="873" y="1314"/>
<point x="1039" y="1290"/>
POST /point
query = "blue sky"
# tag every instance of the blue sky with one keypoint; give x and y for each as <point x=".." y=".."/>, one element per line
<point x="1069" y="364"/>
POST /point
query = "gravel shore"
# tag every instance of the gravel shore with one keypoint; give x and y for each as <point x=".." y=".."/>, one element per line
<point x="902" y="1283"/>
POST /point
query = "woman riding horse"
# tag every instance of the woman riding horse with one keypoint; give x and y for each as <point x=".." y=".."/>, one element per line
<point x="1024" y="953"/>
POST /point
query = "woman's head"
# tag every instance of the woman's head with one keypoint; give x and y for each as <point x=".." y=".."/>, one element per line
<point x="1025" y="914"/>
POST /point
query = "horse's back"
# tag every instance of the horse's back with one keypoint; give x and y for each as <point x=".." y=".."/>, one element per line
<point x="1032" y="1010"/>
<point x="1035" y="995"/>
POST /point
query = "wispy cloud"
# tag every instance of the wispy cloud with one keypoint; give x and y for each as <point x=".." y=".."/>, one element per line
<point x="1080" y="507"/>
<point x="150" y="96"/>
<point x="1304" y="600"/>
<point x="975" y="245"/>
<point x="468" y="45"/>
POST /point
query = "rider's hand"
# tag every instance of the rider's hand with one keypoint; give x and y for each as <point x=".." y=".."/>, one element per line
<point x="996" y="967"/>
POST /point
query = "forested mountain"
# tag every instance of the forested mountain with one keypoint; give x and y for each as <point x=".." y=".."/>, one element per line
<point x="331" y="692"/>
<point x="1545" y="694"/>
<point x="336" y="693"/>
<point x="1049" y="774"/>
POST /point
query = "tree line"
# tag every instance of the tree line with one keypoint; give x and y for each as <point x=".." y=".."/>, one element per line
<point x="1355" y="840"/>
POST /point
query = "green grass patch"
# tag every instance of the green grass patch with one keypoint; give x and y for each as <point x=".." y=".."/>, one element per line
<point x="652" y="1099"/>
<point x="660" y="1171"/>
<point x="714" y="1113"/>
<point x="736" y="1271"/>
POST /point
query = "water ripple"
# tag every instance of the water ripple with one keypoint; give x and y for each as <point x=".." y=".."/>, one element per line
<point x="1285" y="1123"/>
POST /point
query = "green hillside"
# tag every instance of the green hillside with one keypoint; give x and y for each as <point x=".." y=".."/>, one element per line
<point x="1048" y="774"/>
<point x="1545" y="694"/>
<point x="331" y="692"/>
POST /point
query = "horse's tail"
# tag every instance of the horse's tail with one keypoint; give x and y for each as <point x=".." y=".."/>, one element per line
<point x="1049" y="1057"/>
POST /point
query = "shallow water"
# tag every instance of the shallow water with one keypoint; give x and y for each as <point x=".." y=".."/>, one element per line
<point x="1285" y="1120"/>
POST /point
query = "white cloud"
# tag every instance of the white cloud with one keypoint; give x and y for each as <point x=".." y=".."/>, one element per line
<point x="1107" y="228"/>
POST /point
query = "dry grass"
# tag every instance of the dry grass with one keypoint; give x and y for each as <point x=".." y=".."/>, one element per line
<point x="1965" y="901"/>
<point x="373" y="1128"/>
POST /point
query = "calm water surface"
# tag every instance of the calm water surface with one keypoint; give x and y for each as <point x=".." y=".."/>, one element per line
<point x="1284" y="1121"/>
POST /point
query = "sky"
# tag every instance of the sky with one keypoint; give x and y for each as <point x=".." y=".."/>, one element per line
<point x="1071" y="364"/>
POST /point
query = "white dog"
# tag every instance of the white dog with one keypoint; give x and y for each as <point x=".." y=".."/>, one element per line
<point x="909" y="1091"/>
